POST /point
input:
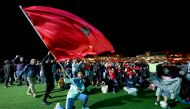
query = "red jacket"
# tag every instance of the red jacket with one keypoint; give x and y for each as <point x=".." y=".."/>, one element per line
<point x="112" y="75"/>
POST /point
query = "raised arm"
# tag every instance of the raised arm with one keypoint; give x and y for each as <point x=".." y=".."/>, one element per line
<point x="145" y="59"/>
<point x="162" y="62"/>
<point x="16" y="59"/>
<point x="46" y="57"/>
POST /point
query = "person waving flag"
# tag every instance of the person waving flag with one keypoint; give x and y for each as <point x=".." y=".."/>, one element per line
<point x="66" y="35"/>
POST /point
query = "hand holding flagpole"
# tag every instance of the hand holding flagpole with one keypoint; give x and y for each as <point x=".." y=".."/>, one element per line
<point x="43" y="41"/>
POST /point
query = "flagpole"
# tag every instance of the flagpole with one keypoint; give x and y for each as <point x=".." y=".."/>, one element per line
<point x="43" y="41"/>
<point x="31" y="23"/>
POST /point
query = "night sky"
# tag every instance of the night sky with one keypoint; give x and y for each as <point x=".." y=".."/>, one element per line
<point x="132" y="28"/>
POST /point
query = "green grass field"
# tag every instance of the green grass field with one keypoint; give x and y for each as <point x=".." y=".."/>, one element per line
<point x="15" y="97"/>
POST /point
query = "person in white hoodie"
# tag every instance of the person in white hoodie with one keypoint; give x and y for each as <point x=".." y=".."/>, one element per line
<point x="75" y="91"/>
<point x="167" y="87"/>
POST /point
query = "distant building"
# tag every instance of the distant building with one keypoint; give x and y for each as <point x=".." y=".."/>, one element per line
<point x="157" y="56"/>
<point x="188" y="56"/>
<point x="176" y="57"/>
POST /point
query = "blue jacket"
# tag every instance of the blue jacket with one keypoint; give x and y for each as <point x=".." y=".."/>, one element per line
<point x="30" y="70"/>
<point x="130" y="83"/>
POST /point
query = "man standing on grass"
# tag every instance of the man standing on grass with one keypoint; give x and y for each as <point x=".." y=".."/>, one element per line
<point x="31" y="71"/>
<point x="152" y="65"/>
<point x="46" y="68"/>
<point x="8" y="69"/>
<point x="19" y="63"/>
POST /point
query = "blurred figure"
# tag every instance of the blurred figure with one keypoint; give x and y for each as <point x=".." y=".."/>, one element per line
<point x="46" y="67"/>
<point x="75" y="91"/>
<point x="167" y="87"/>
<point x="152" y="65"/>
<point x="19" y="65"/>
<point x="31" y="70"/>
<point x="1" y="75"/>
<point x="130" y="86"/>
<point x="61" y="83"/>
<point x="75" y="68"/>
<point x="8" y="69"/>
<point x="113" y="80"/>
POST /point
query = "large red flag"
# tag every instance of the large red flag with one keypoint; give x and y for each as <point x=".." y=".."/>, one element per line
<point x="66" y="35"/>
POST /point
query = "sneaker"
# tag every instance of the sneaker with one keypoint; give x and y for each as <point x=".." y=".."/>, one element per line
<point x="167" y="107"/>
<point x="29" y="93"/>
<point x="34" y="95"/>
<point x="157" y="102"/>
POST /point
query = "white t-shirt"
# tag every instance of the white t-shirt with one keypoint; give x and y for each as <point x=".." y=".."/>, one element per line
<point x="152" y="67"/>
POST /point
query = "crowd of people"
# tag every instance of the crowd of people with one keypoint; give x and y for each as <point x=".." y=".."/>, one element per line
<point x="77" y="75"/>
